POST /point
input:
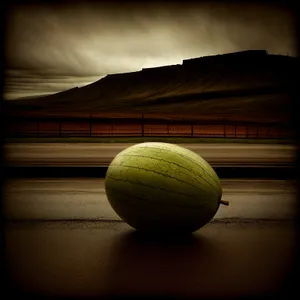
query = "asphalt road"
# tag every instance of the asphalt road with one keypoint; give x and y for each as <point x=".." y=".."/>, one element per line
<point x="92" y="154"/>
<point x="86" y="251"/>
<point x="84" y="260"/>
<point x="85" y="199"/>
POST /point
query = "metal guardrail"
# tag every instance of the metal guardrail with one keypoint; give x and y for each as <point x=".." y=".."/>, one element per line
<point x="143" y="128"/>
<point x="128" y="135"/>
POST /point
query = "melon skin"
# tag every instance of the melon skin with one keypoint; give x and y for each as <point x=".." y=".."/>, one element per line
<point x="162" y="187"/>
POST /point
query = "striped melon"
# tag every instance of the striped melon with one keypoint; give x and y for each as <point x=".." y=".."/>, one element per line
<point x="161" y="187"/>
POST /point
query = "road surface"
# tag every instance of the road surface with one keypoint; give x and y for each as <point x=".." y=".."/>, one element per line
<point x="93" y="154"/>
<point x="85" y="199"/>
<point x="86" y="251"/>
<point x="92" y="259"/>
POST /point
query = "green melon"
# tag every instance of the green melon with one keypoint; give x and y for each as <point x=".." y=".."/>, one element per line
<point x="162" y="187"/>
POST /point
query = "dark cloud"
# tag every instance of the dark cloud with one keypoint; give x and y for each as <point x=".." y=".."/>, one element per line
<point x="53" y="47"/>
<point x="22" y="83"/>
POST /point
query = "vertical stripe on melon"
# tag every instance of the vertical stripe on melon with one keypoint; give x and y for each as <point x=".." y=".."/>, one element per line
<point x="162" y="187"/>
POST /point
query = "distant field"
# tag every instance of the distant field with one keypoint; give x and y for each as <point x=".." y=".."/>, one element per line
<point x="148" y="139"/>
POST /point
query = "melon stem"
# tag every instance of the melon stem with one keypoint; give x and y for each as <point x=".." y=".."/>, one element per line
<point x="224" y="202"/>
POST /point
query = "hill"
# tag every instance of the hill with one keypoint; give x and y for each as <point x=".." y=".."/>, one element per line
<point x="243" y="85"/>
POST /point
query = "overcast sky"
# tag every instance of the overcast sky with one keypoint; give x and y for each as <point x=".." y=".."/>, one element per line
<point x="52" y="48"/>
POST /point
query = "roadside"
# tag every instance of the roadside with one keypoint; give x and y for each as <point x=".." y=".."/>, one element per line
<point x="101" y="154"/>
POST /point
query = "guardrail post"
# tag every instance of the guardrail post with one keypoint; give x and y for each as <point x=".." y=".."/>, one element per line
<point x="90" y="125"/>
<point x="142" y="125"/>
<point x="59" y="129"/>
